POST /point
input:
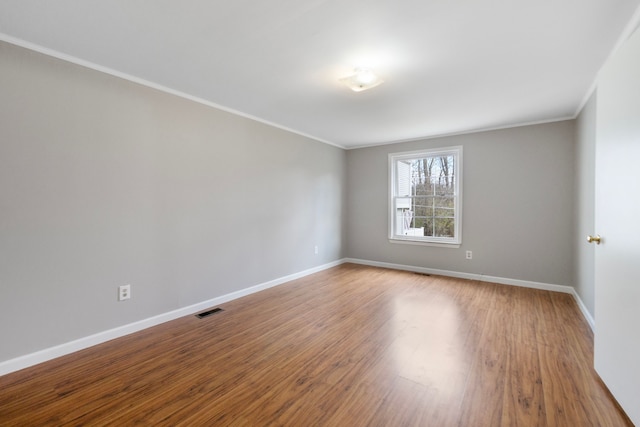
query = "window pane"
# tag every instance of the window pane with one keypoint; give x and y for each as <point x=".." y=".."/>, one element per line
<point x="445" y="190"/>
<point x="444" y="202"/>
<point x="444" y="227"/>
<point x="443" y="213"/>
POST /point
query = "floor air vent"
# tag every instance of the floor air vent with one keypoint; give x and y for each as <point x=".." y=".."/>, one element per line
<point x="208" y="313"/>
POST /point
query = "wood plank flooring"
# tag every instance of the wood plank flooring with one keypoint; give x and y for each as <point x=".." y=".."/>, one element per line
<point x="349" y="346"/>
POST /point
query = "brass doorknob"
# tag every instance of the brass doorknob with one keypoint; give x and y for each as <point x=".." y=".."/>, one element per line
<point x="595" y="238"/>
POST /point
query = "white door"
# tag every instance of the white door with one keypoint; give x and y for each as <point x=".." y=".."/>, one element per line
<point x="617" y="265"/>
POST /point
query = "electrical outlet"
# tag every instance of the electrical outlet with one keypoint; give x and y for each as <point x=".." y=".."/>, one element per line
<point x="315" y="250"/>
<point x="124" y="292"/>
<point x="469" y="255"/>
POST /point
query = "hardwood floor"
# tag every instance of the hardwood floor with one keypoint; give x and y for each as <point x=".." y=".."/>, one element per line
<point x="350" y="346"/>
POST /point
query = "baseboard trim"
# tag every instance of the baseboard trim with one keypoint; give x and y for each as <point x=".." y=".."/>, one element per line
<point x="470" y="276"/>
<point x="481" y="277"/>
<point x="44" y="355"/>
<point x="585" y="312"/>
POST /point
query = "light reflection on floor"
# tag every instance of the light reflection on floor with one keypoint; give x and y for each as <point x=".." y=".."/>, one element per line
<point x="428" y="349"/>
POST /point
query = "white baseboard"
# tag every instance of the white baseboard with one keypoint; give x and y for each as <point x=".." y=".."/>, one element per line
<point x="484" y="278"/>
<point x="583" y="308"/>
<point x="44" y="355"/>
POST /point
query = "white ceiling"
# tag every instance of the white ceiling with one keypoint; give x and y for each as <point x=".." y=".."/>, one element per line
<point x="449" y="66"/>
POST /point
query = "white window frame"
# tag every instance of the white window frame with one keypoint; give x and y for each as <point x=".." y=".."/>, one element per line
<point x="449" y="242"/>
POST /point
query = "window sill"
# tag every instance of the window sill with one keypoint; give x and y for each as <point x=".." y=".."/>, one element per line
<point x="423" y="243"/>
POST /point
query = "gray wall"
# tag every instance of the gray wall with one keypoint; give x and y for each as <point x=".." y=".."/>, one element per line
<point x="105" y="182"/>
<point x="585" y="137"/>
<point x="517" y="205"/>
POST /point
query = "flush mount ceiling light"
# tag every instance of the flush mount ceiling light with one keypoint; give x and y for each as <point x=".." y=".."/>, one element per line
<point x="363" y="79"/>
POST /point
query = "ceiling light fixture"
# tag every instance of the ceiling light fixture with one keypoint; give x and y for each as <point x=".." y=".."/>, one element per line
<point x="363" y="79"/>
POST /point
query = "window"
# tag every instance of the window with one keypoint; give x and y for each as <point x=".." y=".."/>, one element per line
<point x="426" y="196"/>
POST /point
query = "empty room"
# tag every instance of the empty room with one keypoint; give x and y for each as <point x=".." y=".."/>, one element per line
<point x="319" y="213"/>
